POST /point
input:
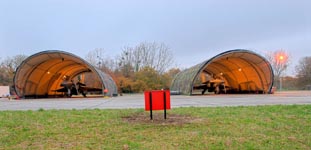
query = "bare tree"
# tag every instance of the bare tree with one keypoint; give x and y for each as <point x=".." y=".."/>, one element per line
<point x="8" y="67"/>
<point x="14" y="62"/>
<point x="98" y="58"/>
<point x="153" y="55"/>
<point x="303" y="70"/>
<point x="279" y="61"/>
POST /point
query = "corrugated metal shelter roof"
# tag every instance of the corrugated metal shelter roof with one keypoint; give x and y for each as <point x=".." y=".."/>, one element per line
<point x="242" y="71"/>
<point x="43" y="72"/>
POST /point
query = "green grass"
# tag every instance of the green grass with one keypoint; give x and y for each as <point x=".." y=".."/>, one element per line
<point x="258" y="127"/>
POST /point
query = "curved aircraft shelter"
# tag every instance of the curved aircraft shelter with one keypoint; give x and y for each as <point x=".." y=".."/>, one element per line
<point x="234" y="71"/>
<point x="42" y="74"/>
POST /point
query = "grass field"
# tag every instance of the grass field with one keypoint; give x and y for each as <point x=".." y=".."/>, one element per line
<point x="256" y="127"/>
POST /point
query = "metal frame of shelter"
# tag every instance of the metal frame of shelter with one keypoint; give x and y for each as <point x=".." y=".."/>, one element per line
<point x="243" y="71"/>
<point x="43" y="72"/>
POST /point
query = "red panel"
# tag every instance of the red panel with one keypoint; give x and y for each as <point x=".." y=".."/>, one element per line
<point x="157" y="99"/>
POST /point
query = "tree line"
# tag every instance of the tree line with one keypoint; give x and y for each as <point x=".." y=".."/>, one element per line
<point x="136" y="69"/>
<point x="149" y="66"/>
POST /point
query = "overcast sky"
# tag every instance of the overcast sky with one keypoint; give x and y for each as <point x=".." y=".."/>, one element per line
<point x="195" y="30"/>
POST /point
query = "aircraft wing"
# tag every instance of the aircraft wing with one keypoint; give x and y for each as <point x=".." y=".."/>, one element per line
<point x="85" y="88"/>
<point x="61" y="90"/>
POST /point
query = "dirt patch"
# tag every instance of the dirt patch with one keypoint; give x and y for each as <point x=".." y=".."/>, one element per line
<point x="158" y="119"/>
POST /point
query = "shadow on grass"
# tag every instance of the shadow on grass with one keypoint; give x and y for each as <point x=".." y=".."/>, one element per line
<point x="158" y="119"/>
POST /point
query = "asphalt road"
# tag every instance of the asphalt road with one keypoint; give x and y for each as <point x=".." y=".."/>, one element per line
<point x="137" y="101"/>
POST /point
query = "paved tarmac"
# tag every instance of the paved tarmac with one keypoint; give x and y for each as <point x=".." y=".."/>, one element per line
<point x="137" y="101"/>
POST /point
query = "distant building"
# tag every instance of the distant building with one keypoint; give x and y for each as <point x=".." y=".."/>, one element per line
<point x="4" y="91"/>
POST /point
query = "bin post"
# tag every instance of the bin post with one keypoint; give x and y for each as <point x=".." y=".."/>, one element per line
<point x="164" y="99"/>
<point x="150" y="104"/>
